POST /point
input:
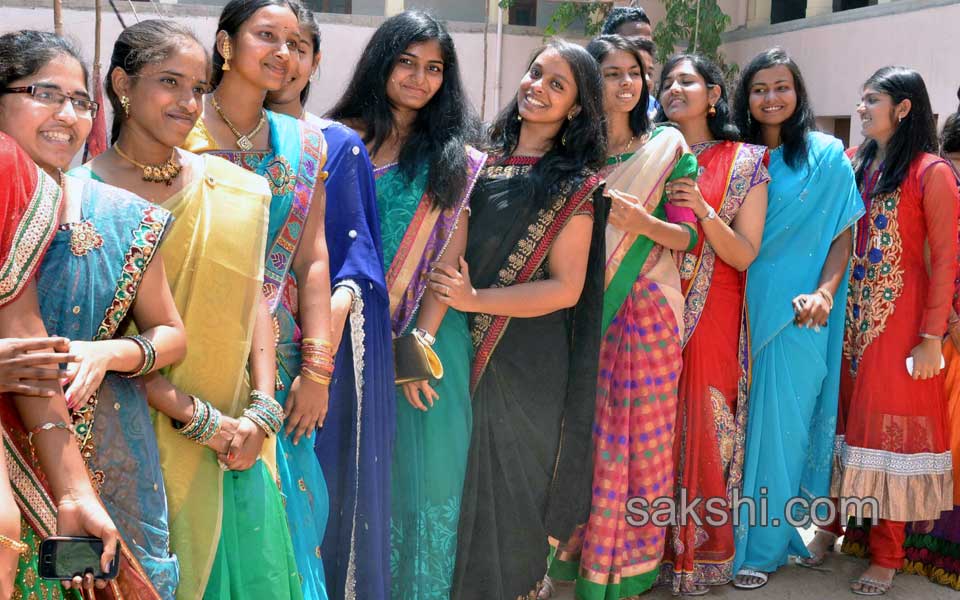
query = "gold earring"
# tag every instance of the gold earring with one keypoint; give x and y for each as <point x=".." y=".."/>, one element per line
<point x="712" y="112"/>
<point x="227" y="55"/>
<point x="125" y="103"/>
<point x="570" y="116"/>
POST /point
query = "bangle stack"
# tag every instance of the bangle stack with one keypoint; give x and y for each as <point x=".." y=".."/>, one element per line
<point x="317" y="360"/>
<point x="15" y="545"/>
<point x="205" y="423"/>
<point x="825" y="293"/>
<point x="265" y="412"/>
<point x="149" y="355"/>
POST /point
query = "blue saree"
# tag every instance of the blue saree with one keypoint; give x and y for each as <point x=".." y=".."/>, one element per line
<point x="356" y="442"/>
<point x="796" y="371"/>
<point x="87" y="285"/>
<point x="293" y="166"/>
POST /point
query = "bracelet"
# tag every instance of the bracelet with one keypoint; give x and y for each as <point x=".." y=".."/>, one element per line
<point x="826" y="295"/>
<point x="47" y="427"/>
<point x="316" y="377"/>
<point x="316" y="360"/>
<point x="265" y="412"/>
<point x="930" y="336"/>
<point x="15" y="545"/>
<point x="205" y="424"/>
<point x="149" y="355"/>
<point x="424" y="337"/>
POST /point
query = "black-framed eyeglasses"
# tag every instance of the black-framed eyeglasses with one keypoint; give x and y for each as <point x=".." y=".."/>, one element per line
<point x="54" y="98"/>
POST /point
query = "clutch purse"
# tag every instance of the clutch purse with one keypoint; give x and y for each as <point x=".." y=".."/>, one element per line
<point x="414" y="360"/>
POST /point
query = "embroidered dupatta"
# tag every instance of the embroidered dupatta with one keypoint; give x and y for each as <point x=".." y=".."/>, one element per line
<point x="30" y="485"/>
<point x="425" y="239"/>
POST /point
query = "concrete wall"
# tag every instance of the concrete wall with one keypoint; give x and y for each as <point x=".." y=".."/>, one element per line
<point x="344" y="38"/>
<point x="472" y="11"/>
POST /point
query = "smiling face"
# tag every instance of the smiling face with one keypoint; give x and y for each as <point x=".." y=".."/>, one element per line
<point x="773" y="96"/>
<point x="416" y="76"/>
<point x="685" y="95"/>
<point x="622" y="82"/>
<point x="51" y="135"/>
<point x="879" y="115"/>
<point x="306" y="60"/>
<point x="166" y="98"/>
<point x="265" y="47"/>
<point x="548" y="92"/>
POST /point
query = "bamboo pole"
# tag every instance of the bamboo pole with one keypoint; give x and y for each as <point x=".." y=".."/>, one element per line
<point x="98" y="20"/>
<point x="58" y="17"/>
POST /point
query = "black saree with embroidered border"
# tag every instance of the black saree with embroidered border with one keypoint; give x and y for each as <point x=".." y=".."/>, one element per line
<point x="534" y="385"/>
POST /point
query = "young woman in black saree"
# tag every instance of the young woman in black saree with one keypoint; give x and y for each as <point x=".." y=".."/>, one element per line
<point x="534" y="285"/>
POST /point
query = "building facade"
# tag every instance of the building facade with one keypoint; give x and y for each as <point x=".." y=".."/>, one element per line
<point x="837" y="43"/>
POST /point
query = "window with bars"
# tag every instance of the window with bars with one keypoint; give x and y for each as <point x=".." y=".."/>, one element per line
<point x="523" y="12"/>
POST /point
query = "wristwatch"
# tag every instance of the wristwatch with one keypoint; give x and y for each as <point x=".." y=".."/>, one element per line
<point x="426" y="337"/>
<point x="711" y="214"/>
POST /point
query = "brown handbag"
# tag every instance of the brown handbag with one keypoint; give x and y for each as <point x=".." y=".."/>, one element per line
<point x="414" y="360"/>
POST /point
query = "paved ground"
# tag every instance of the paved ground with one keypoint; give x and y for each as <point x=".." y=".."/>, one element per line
<point x="796" y="583"/>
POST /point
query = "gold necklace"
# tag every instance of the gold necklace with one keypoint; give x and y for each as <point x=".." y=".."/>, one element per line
<point x="619" y="156"/>
<point x="243" y="141"/>
<point x="162" y="173"/>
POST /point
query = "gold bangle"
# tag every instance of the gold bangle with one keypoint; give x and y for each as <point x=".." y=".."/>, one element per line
<point x="315" y="377"/>
<point x="15" y="545"/>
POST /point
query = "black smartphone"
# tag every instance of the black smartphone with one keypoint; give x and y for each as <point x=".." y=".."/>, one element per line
<point x="63" y="557"/>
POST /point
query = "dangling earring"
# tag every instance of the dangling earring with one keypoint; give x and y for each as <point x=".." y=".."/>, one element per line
<point x="227" y="55"/>
<point x="712" y="112"/>
<point x="563" y="140"/>
<point x="519" y="117"/>
<point x="125" y="103"/>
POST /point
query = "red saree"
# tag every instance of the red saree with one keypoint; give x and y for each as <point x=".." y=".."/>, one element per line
<point x="30" y="203"/>
<point x="712" y="409"/>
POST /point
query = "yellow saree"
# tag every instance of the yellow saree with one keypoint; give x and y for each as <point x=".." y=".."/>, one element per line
<point x="214" y="257"/>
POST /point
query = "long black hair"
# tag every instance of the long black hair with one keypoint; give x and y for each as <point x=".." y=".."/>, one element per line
<point x="721" y="124"/>
<point x="599" y="48"/>
<point x="23" y="53"/>
<point x="234" y="15"/>
<point x="586" y="147"/>
<point x="308" y="21"/>
<point x="147" y="42"/>
<point x="915" y="134"/>
<point x="793" y="131"/>
<point x="950" y="135"/>
<point x="442" y="128"/>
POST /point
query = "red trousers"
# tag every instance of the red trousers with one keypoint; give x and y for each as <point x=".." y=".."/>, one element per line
<point x="886" y="541"/>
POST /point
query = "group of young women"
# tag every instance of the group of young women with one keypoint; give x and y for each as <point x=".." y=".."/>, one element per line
<point x="625" y="313"/>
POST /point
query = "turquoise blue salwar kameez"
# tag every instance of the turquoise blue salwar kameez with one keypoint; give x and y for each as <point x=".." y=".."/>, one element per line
<point x="795" y="370"/>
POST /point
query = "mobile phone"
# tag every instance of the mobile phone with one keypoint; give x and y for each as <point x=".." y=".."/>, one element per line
<point x="943" y="363"/>
<point x="66" y="557"/>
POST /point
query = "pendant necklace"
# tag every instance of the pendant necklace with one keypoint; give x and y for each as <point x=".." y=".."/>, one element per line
<point x="243" y="140"/>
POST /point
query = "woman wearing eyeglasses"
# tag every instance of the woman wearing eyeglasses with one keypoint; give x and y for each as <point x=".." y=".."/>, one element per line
<point x="101" y="267"/>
